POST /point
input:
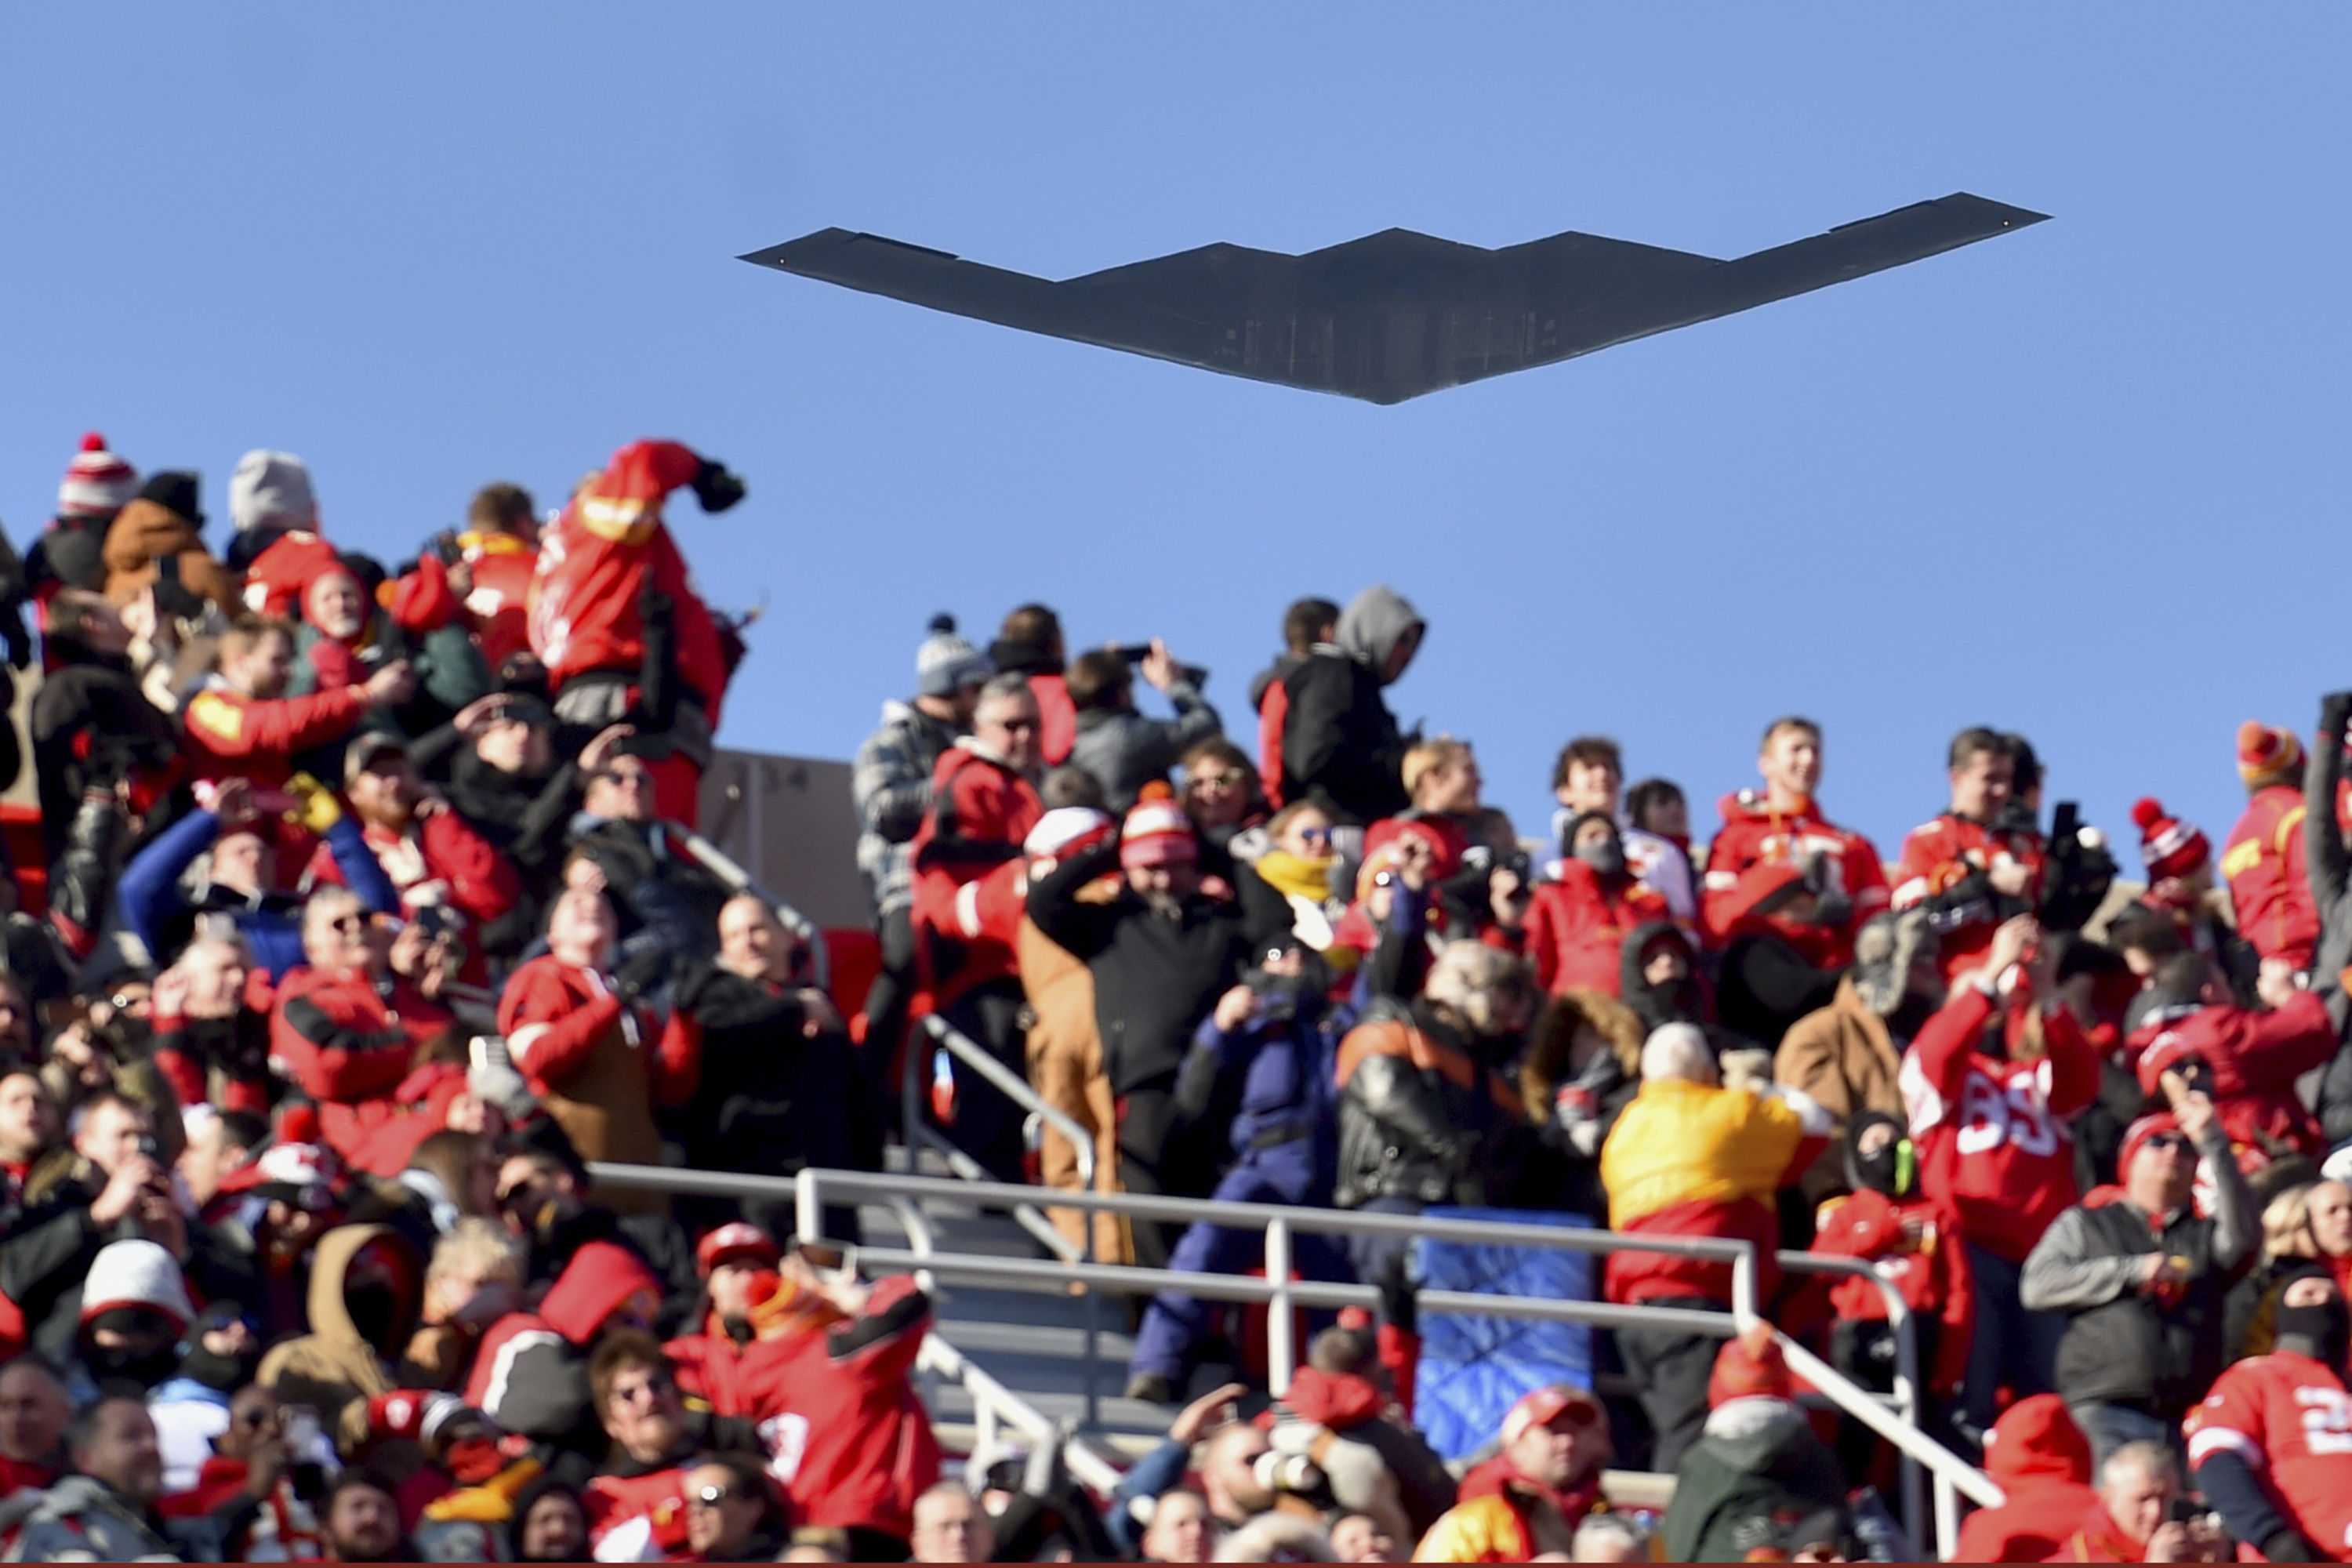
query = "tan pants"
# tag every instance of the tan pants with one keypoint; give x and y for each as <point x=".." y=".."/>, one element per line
<point x="1065" y="1067"/>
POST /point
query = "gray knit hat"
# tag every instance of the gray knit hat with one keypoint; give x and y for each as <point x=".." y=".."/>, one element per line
<point x="271" y="490"/>
<point x="946" y="661"/>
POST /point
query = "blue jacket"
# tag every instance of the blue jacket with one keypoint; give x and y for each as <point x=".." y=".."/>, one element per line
<point x="152" y="897"/>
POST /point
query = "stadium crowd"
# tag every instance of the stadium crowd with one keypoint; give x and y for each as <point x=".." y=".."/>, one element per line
<point x="363" y="909"/>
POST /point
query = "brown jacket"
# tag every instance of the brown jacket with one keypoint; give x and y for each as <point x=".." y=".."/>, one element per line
<point x="1065" y="1067"/>
<point x="142" y="533"/>
<point x="333" y="1369"/>
<point x="1844" y="1058"/>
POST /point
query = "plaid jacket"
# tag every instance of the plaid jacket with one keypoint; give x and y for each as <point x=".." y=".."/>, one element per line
<point x="892" y="787"/>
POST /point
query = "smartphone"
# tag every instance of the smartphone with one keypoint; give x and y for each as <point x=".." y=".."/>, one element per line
<point x="833" y="1262"/>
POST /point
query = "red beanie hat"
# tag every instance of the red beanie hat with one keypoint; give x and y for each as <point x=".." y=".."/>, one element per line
<point x="96" y="482"/>
<point x="1157" y="832"/>
<point x="625" y="501"/>
<point x="2139" y="1133"/>
<point x="2264" y="751"/>
<point x="1750" y="1367"/>
<point x="2170" y="847"/>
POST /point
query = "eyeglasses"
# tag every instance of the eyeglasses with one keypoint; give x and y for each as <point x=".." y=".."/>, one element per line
<point x="653" y="1388"/>
<point x="711" y="1497"/>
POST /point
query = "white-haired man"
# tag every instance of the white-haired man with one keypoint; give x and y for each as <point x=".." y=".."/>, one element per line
<point x="1694" y="1156"/>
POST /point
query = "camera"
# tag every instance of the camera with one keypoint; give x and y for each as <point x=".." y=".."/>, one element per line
<point x="1286" y="1472"/>
<point x="1136" y="652"/>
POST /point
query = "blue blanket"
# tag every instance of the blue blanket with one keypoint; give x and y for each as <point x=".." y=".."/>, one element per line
<point x="1472" y="1369"/>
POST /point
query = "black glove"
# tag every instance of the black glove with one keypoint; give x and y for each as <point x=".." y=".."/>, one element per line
<point x="714" y="487"/>
<point x="2335" y="709"/>
<point x="2285" y="1545"/>
<point x="641" y="971"/>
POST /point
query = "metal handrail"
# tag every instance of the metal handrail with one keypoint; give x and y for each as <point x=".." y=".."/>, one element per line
<point x="1907" y="1397"/>
<point x="1280" y="1294"/>
<point x="920" y="1134"/>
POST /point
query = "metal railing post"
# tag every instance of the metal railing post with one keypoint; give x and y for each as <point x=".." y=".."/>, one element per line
<point x="1281" y="1354"/>
<point x="808" y="1203"/>
<point x="1894" y="1420"/>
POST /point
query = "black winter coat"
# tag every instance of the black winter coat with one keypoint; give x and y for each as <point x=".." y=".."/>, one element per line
<point x="1156" y="976"/>
<point x="1410" y="1129"/>
<point x="772" y="1100"/>
<point x="1340" y="745"/>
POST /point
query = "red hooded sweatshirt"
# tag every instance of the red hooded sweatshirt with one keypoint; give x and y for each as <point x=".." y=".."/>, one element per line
<point x="2041" y="1461"/>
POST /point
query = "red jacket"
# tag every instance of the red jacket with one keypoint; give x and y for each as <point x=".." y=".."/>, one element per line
<point x="980" y="813"/>
<point x="275" y="583"/>
<point x="1754" y="834"/>
<point x="658" y="1496"/>
<point x="349" y="1046"/>
<point x="1945" y="853"/>
<point x="590" y="575"/>
<point x="1273" y="712"/>
<point x="499" y="606"/>
<point x="2255" y="1055"/>
<point x="438" y="860"/>
<point x="710" y="1366"/>
<point x="553" y="1016"/>
<point x="2042" y="1461"/>
<point x="231" y="735"/>
<point x="2269" y="884"/>
<point x="1932" y="1276"/>
<point x="1994" y="1132"/>
<point x="851" y="1441"/>
<point x="1057" y="719"/>
<point x="1576" y="929"/>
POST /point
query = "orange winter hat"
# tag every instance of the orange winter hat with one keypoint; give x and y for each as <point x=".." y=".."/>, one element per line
<point x="1750" y="1367"/>
<point x="2263" y="751"/>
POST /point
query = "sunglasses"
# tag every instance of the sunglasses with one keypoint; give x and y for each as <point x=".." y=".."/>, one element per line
<point x="2173" y="1142"/>
<point x="349" y="924"/>
<point x="1313" y="835"/>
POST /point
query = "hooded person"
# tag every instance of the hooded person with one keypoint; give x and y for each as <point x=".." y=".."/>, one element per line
<point x="134" y="1310"/>
<point x="160" y="534"/>
<point x="1581" y="1069"/>
<point x="276" y="543"/>
<point x="367" y="1288"/>
<point x="2267" y="1445"/>
<point x="1912" y="1238"/>
<point x="1847" y="1057"/>
<point x="531" y="1376"/>
<point x="1340" y="745"/>
<point x="1659" y="977"/>
<point x="2041" y="1460"/>
<point x="1756" y="1464"/>
<point x="1577" y="925"/>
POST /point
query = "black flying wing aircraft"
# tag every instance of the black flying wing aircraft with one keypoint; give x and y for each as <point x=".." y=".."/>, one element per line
<point x="1394" y="314"/>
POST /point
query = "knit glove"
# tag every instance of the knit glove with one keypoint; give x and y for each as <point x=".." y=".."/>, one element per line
<point x="714" y="487"/>
<point x="316" y="807"/>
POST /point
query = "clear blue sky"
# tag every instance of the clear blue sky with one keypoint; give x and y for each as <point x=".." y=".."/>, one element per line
<point x="2086" y="481"/>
